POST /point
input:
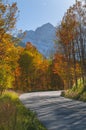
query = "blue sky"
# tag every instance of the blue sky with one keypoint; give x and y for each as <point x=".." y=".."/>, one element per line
<point x="34" y="13"/>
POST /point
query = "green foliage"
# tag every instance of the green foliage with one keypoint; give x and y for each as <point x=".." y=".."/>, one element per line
<point x="7" y="67"/>
<point x="83" y="96"/>
<point x="14" y="116"/>
<point x="26" y="61"/>
<point x="78" y="93"/>
<point x="6" y="78"/>
<point x="26" y="69"/>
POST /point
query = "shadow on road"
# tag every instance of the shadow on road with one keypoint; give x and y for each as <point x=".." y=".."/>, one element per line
<point x="57" y="113"/>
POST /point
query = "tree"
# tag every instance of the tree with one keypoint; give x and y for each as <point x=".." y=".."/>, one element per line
<point x="56" y="80"/>
<point x="7" y="17"/>
<point x="26" y="67"/>
<point x="7" y="23"/>
<point x="80" y="10"/>
<point x="72" y="36"/>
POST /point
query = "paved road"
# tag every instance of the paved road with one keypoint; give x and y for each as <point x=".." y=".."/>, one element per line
<point x="55" y="112"/>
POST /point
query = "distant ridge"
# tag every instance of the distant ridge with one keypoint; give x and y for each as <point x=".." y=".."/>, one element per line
<point x="42" y="38"/>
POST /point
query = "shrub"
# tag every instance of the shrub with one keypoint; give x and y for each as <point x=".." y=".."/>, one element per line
<point x="78" y="92"/>
<point x="14" y="116"/>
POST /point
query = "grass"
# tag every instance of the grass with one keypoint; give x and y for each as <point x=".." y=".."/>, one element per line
<point x="14" y="116"/>
<point x="77" y="93"/>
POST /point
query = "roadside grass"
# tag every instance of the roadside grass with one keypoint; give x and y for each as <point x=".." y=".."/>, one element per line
<point x="77" y="93"/>
<point x="14" y="116"/>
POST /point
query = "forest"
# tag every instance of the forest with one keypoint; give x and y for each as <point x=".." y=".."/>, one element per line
<point x="24" y="69"/>
<point x="27" y="70"/>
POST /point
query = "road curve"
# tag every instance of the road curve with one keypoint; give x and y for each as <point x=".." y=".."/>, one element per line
<point x="56" y="112"/>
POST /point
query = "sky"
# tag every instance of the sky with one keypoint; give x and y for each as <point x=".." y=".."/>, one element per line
<point x="35" y="13"/>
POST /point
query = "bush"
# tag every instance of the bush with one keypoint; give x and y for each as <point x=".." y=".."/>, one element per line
<point x="14" y="116"/>
<point x="78" y="93"/>
<point x="83" y="97"/>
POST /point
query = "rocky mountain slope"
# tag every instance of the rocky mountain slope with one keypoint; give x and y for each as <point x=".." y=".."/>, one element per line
<point x="42" y="38"/>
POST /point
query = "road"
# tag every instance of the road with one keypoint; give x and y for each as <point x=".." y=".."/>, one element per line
<point x="56" y="112"/>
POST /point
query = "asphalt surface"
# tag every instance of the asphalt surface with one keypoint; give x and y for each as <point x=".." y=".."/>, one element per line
<point x="56" y="112"/>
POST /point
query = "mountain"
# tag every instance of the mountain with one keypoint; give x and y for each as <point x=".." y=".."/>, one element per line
<point x="42" y="38"/>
